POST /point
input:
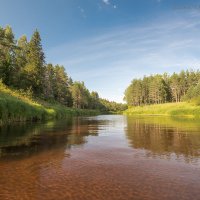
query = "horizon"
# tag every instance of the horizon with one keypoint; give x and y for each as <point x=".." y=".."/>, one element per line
<point x="108" y="43"/>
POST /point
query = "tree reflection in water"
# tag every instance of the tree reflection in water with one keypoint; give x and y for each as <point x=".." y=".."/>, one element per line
<point x="25" y="139"/>
<point x="166" y="137"/>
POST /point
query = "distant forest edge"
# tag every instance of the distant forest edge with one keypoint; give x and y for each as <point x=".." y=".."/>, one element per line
<point x="23" y="70"/>
<point x="165" y="88"/>
<point x="172" y="95"/>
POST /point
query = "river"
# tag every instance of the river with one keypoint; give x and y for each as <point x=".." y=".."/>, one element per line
<point x="106" y="157"/>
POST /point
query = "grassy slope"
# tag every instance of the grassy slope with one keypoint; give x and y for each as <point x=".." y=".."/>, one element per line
<point x="14" y="106"/>
<point x="168" y="109"/>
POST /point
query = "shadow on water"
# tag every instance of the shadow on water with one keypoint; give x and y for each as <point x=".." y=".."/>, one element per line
<point x="164" y="136"/>
<point x="25" y="139"/>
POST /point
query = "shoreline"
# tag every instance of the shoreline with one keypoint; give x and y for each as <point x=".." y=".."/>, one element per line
<point x="18" y="107"/>
<point x="181" y="109"/>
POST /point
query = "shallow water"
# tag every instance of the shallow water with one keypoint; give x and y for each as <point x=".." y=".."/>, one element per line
<point x="108" y="157"/>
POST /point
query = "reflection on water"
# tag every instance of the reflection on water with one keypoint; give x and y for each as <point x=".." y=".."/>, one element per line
<point x="165" y="137"/>
<point x="25" y="139"/>
<point x="108" y="157"/>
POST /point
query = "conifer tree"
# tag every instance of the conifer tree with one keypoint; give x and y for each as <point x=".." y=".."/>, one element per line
<point x="7" y="55"/>
<point x="20" y="63"/>
<point x="34" y="68"/>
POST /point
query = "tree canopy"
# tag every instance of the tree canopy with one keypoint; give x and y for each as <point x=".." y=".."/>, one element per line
<point x="163" y="88"/>
<point x="23" y="67"/>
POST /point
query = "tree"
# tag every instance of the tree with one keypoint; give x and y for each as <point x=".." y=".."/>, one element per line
<point x="94" y="102"/>
<point x="175" y="87"/>
<point x="49" y="82"/>
<point x="134" y="93"/>
<point x="22" y="66"/>
<point x="7" y="55"/>
<point x="20" y="62"/>
<point x="183" y="83"/>
<point x="61" y="86"/>
<point x="160" y="88"/>
<point x="80" y="95"/>
<point x="193" y="92"/>
<point x="34" y="69"/>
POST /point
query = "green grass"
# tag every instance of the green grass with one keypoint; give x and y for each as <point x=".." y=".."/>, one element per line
<point x="17" y="106"/>
<point x="185" y="109"/>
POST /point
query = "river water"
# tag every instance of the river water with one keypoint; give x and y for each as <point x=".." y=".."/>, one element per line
<point x="107" y="157"/>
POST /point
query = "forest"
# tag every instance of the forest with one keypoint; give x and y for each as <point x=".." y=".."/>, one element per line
<point x="23" y="68"/>
<point x="163" y="88"/>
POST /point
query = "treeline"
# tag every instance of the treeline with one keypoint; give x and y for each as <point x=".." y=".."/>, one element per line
<point x="23" y="67"/>
<point x="156" y="89"/>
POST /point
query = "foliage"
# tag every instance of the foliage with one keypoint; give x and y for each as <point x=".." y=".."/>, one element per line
<point x="156" y="89"/>
<point x="23" y="68"/>
<point x="80" y="95"/>
<point x="16" y="106"/>
<point x="111" y="106"/>
<point x="193" y="92"/>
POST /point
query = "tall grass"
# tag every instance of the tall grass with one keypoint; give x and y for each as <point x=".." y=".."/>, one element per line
<point x="186" y="109"/>
<point x="17" y="106"/>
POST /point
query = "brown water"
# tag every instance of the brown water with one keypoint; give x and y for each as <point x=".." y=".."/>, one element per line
<point x="105" y="157"/>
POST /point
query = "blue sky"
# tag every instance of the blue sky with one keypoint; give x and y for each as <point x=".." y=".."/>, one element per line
<point x="107" y="43"/>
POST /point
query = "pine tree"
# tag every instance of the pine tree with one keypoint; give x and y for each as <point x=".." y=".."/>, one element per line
<point x="21" y="61"/>
<point x="80" y="95"/>
<point x="49" y="82"/>
<point x="34" y="69"/>
<point x="94" y="102"/>
<point x="7" y="55"/>
<point x="61" y="86"/>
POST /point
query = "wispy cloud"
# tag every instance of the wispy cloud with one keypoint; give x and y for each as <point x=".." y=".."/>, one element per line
<point x="109" y="61"/>
<point x="82" y="11"/>
<point x="107" y="2"/>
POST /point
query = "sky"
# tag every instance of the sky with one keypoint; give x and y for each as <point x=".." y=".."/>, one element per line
<point x="107" y="43"/>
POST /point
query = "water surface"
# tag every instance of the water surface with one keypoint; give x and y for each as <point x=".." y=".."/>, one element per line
<point x="108" y="157"/>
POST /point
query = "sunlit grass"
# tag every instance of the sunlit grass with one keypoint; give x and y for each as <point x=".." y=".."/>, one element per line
<point x="19" y="106"/>
<point x="169" y="109"/>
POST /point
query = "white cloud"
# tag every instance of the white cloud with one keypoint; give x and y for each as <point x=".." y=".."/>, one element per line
<point x="107" y="2"/>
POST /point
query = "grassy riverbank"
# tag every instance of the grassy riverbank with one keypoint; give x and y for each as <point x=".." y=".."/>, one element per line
<point x="17" y="106"/>
<point x="169" y="109"/>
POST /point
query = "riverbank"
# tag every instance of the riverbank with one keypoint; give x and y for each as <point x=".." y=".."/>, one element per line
<point x="184" y="109"/>
<point x="17" y="106"/>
